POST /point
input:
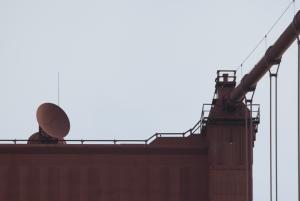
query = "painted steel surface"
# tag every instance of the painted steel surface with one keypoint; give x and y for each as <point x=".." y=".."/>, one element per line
<point x="174" y="172"/>
<point x="230" y="135"/>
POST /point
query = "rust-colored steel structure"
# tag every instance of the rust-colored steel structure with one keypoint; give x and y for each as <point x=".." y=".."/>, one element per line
<point x="213" y="165"/>
<point x="210" y="162"/>
<point x="168" y="169"/>
<point x="272" y="56"/>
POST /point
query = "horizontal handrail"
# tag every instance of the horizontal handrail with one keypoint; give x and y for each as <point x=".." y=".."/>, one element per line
<point x="197" y="127"/>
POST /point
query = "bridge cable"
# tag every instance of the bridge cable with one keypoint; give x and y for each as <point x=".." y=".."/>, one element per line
<point x="298" y="44"/>
<point x="276" y="132"/>
<point x="246" y="149"/>
<point x="265" y="35"/>
<point x="251" y="131"/>
<point x="271" y="171"/>
<point x="275" y="75"/>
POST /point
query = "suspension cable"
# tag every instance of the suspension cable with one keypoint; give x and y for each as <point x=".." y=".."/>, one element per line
<point x="298" y="43"/>
<point x="275" y="75"/>
<point x="265" y="35"/>
<point x="271" y="171"/>
<point x="246" y="150"/>
<point x="276" y="144"/>
<point x="251" y="131"/>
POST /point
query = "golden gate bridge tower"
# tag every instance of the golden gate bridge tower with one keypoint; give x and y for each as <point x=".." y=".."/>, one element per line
<point x="212" y="161"/>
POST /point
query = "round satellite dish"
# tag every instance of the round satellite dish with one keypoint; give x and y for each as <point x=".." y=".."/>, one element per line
<point x="53" y="120"/>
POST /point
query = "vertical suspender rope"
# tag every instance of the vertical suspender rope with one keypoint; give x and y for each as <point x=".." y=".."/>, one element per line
<point x="298" y="43"/>
<point x="251" y="140"/>
<point x="271" y="171"/>
<point x="247" y="151"/>
<point x="276" y="133"/>
<point x="251" y="135"/>
<point x="275" y="75"/>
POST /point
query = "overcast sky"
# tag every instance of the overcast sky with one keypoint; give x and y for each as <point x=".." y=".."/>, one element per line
<point x="130" y="68"/>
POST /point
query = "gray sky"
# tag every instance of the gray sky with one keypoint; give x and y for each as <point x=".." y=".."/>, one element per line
<point x="132" y="68"/>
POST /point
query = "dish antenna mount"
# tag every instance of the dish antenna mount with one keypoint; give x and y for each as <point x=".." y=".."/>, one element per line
<point x="54" y="125"/>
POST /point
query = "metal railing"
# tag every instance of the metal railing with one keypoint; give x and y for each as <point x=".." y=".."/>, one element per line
<point x="255" y="113"/>
<point x="196" y="129"/>
<point x="230" y="75"/>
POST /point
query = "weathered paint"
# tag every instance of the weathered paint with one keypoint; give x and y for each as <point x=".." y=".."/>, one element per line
<point x="104" y="172"/>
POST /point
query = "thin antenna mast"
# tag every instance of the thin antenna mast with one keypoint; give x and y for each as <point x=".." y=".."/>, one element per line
<point x="58" y="88"/>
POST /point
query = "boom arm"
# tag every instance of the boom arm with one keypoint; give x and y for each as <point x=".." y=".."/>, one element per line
<point x="271" y="57"/>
